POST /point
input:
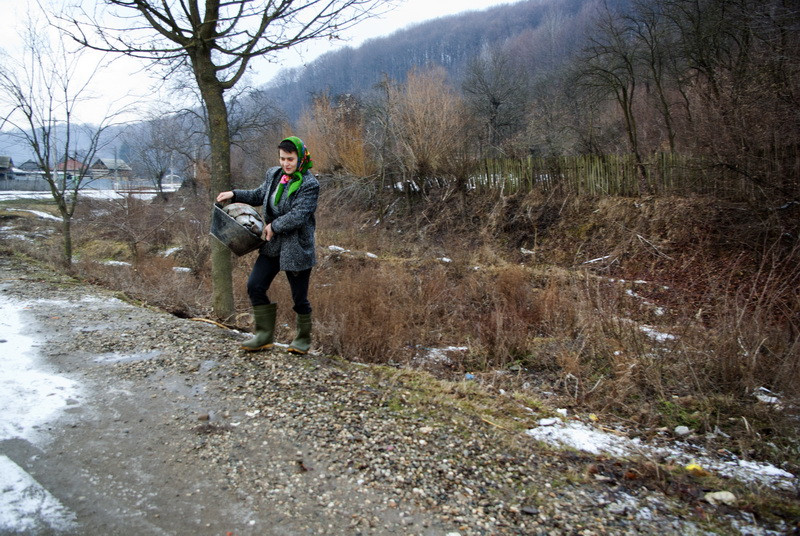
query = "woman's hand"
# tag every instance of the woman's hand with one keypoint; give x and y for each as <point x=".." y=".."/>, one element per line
<point x="268" y="233"/>
<point x="224" y="196"/>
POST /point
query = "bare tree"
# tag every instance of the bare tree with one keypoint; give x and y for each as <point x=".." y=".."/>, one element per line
<point x="44" y="87"/>
<point x="610" y="65"/>
<point x="428" y="123"/>
<point x="560" y="119"/>
<point x="335" y="127"/>
<point x="657" y="48"/>
<point x="496" y="93"/>
<point x="740" y="76"/>
<point x="153" y="146"/>
<point x="216" y="40"/>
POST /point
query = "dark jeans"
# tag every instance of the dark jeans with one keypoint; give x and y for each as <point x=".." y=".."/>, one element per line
<point x="264" y="271"/>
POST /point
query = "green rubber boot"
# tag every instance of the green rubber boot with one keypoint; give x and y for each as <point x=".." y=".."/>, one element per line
<point x="265" y="328"/>
<point x="302" y="342"/>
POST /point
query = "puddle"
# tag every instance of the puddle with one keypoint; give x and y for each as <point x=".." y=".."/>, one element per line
<point x="100" y="302"/>
<point x="118" y="357"/>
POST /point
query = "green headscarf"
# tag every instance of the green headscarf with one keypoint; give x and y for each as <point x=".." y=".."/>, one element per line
<point x="304" y="163"/>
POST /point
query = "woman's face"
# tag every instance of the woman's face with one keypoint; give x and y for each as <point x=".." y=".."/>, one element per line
<point x="288" y="161"/>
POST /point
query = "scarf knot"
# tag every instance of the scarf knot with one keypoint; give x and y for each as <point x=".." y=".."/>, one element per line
<point x="296" y="179"/>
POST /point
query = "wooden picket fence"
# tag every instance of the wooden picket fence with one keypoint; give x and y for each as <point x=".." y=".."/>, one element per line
<point x="667" y="174"/>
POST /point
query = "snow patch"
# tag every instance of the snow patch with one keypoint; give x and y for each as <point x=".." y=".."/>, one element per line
<point x="438" y="355"/>
<point x="19" y="237"/>
<point x="656" y="335"/>
<point x="87" y="193"/>
<point x="579" y="436"/>
<point x="37" y="213"/>
<point x="29" y="396"/>
<point x="28" y="508"/>
<point x="583" y="437"/>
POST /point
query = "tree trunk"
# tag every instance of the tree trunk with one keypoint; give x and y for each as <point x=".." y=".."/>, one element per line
<point x="66" y="225"/>
<point x="219" y="139"/>
<point x="666" y="113"/>
<point x="625" y="100"/>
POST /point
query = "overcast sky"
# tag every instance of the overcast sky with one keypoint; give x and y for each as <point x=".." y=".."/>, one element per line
<point x="127" y="76"/>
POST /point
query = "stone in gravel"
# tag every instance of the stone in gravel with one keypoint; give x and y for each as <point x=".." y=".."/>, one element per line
<point x="617" y="509"/>
<point x="720" y="497"/>
<point x="530" y="510"/>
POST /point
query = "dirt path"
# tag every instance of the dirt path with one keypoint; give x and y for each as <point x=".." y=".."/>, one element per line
<point x="134" y="421"/>
<point x="131" y="451"/>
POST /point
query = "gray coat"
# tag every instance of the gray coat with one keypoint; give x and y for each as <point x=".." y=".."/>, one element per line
<point x="293" y="224"/>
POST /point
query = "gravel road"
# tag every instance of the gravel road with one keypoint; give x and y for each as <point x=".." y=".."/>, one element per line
<point x="175" y="431"/>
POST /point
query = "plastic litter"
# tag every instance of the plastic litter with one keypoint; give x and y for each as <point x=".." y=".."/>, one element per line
<point x="682" y="430"/>
<point x="696" y="470"/>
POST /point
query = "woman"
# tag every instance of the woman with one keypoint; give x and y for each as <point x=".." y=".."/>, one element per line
<point x="289" y="199"/>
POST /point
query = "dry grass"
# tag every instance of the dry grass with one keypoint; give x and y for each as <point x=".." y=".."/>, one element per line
<point x="684" y="318"/>
<point x="683" y="321"/>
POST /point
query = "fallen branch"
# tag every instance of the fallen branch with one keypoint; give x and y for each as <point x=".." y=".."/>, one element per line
<point x="658" y="251"/>
<point x="211" y="322"/>
<point x="495" y="424"/>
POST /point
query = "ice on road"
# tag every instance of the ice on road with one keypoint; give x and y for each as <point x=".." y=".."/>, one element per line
<point x="30" y="396"/>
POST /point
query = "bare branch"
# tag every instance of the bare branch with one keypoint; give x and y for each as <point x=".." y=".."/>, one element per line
<point x="218" y="42"/>
<point x="43" y="87"/>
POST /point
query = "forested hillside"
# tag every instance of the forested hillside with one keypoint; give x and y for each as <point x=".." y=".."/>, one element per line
<point x="669" y="96"/>
<point x="541" y="32"/>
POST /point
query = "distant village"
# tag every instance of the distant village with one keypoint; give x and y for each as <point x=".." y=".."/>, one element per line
<point x="103" y="173"/>
<point x="101" y="168"/>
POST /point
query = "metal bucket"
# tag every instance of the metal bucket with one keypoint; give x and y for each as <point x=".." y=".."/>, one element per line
<point x="228" y="231"/>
